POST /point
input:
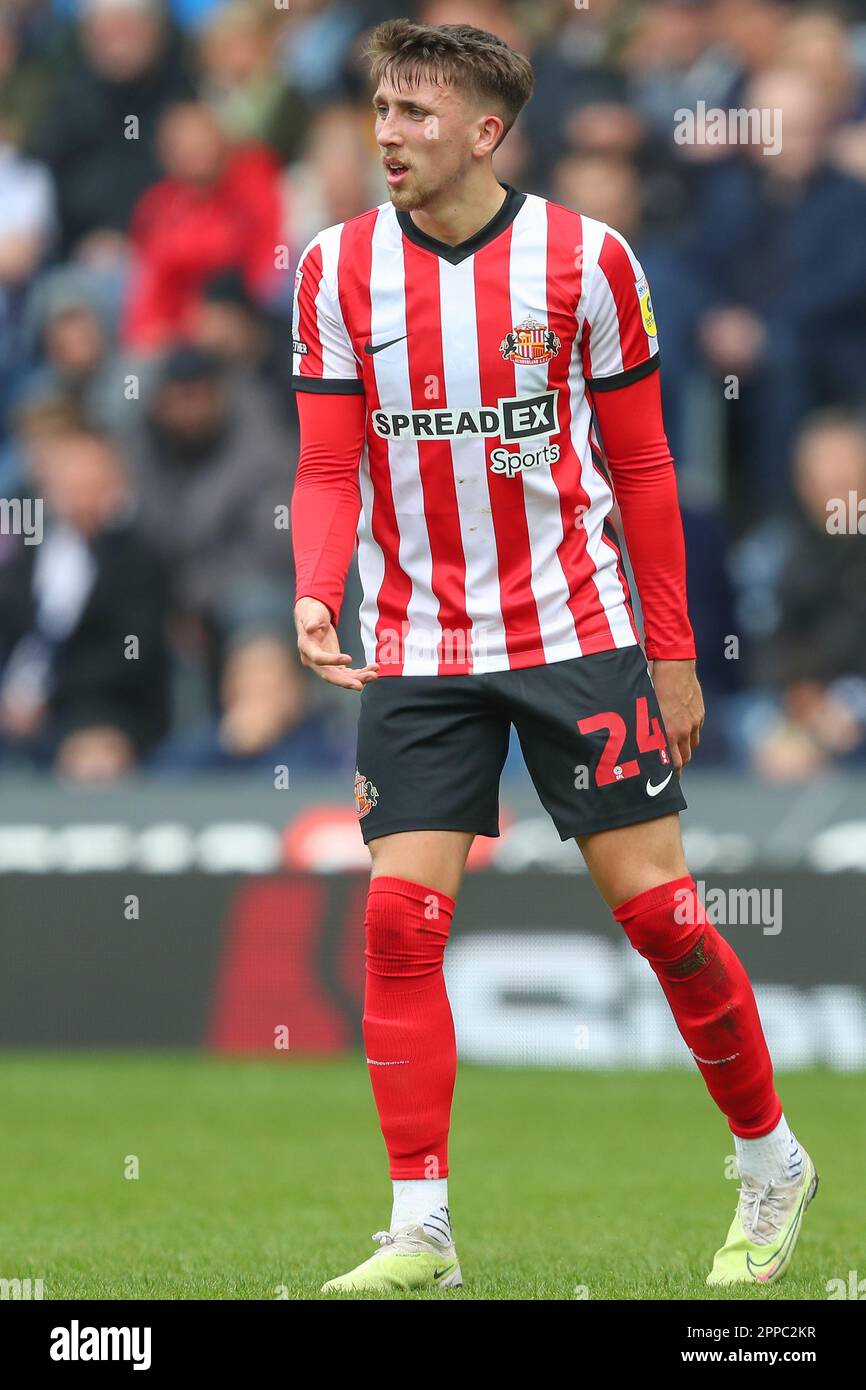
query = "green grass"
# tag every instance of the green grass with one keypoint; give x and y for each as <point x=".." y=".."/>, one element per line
<point x="256" y="1174"/>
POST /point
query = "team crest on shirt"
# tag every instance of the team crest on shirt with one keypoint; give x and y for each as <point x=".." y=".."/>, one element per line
<point x="646" y="306"/>
<point x="366" y="795"/>
<point x="529" y="343"/>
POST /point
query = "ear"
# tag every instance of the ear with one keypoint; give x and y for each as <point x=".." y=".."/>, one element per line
<point x="490" y="131"/>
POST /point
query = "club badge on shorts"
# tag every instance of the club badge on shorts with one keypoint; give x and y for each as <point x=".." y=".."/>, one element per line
<point x="366" y="795"/>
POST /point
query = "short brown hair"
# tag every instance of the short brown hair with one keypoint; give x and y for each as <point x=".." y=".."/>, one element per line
<point x="478" y="63"/>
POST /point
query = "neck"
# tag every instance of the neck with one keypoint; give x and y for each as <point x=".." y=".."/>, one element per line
<point x="462" y="211"/>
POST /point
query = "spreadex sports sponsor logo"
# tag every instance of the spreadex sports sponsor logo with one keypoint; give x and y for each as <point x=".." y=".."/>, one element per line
<point x="503" y="461"/>
<point x="513" y="419"/>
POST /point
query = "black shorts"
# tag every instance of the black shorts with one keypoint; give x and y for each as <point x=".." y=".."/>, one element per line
<point x="431" y="748"/>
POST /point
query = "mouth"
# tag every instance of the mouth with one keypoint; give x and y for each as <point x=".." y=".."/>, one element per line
<point x="395" y="172"/>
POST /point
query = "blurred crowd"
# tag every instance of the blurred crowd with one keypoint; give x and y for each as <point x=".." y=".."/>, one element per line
<point x="163" y="164"/>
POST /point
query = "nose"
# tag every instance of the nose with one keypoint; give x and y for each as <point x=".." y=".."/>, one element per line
<point x="388" y="133"/>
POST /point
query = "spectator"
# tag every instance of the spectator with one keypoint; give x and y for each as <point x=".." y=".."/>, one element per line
<point x="82" y="658"/>
<point x="218" y="208"/>
<point x="673" y="61"/>
<point x="25" y="78"/>
<point x="315" y="46"/>
<point x="338" y="176"/>
<point x="266" y="720"/>
<point x="71" y="324"/>
<point x="39" y="418"/>
<point x="580" y="89"/>
<point x="786" y="324"/>
<point x="751" y="32"/>
<point x="98" y="136"/>
<point x="240" y="80"/>
<point x="803" y="603"/>
<point x="27" y="228"/>
<point x="817" y="42"/>
<point x="252" y="343"/>
<point x="213" y="467"/>
<point x="609" y="189"/>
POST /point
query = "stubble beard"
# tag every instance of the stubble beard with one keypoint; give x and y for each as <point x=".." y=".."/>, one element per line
<point x="408" y="199"/>
<point x="420" y="193"/>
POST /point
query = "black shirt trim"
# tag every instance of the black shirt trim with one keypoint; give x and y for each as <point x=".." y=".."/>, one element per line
<point x="329" y="385"/>
<point x="455" y="254"/>
<point x="611" y="383"/>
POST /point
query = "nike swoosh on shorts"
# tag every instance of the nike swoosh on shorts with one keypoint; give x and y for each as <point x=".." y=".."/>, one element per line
<point x="654" y="791"/>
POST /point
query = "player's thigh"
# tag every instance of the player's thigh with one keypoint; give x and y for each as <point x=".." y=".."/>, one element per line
<point x="429" y="758"/>
<point x="433" y="858"/>
<point x="634" y="858"/>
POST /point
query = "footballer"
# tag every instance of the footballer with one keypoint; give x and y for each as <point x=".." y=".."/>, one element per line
<point x="477" y="379"/>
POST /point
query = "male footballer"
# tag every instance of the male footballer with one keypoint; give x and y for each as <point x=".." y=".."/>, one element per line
<point x="477" y="381"/>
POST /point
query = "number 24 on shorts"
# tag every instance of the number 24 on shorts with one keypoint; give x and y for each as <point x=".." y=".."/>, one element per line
<point x="649" y="732"/>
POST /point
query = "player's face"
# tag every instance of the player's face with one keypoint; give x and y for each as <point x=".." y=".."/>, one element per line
<point x="426" y="134"/>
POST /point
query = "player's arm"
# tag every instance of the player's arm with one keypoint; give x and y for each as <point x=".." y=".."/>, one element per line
<point x="326" y="501"/>
<point x="326" y="497"/>
<point x="642" y="471"/>
<point x="621" y="360"/>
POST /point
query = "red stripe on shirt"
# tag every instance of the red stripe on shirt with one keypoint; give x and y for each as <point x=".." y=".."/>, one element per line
<point x="523" y="640"/>
<point x="618" y="270"/>
<point x="435" y="460"/>
<point x="308" y="322"/>
<point x="392" y="602"/>
<point x="564" y="276"/>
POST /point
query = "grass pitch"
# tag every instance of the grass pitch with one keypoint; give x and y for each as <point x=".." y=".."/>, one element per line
<point x="259" y="1179"/>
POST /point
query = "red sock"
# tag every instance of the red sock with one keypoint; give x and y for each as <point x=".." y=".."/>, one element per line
<point x="408" y="1029"/>
<point x="711" y="1000"/>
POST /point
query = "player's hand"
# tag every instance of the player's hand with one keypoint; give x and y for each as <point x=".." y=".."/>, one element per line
<point x="682" y="706"/>
<point x="320" y="650"/>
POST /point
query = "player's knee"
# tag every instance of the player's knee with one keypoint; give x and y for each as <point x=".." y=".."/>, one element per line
<point x="403" y="936"/>
<point x="668" y="925"/>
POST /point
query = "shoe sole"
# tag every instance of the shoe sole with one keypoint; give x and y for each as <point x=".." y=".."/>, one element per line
<point x="453" y="1281"/>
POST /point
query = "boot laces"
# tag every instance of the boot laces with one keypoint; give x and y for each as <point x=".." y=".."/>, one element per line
<point x="763" y="1212"/>
<point x="408" y="1238"/>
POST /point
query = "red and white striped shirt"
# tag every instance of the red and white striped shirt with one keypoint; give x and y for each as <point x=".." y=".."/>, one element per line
<point x="483" y="538"/>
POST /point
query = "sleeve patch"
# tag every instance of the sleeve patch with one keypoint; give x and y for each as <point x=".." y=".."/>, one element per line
<point x="646" y="306"/>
